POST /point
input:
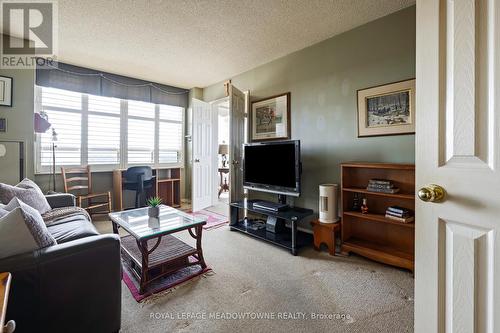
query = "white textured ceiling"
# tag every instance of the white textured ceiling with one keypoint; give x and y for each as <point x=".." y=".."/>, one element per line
<point x="195" y="43"/>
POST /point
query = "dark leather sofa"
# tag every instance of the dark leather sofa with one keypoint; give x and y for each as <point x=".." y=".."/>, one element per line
<point x="74" y="286"/>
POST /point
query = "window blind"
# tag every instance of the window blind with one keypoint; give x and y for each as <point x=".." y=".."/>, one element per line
<point x="108" y="132"/>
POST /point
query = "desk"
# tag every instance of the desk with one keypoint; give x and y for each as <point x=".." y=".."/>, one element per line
<point x="223" y="187"/>
<point x="167" y="187"/>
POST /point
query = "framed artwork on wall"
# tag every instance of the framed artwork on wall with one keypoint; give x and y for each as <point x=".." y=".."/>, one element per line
<point x="5" y="91"/>
<point x="387" y="110"/>
<point x="270" y="118"/>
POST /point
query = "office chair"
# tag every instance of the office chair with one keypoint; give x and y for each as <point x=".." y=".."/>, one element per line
<point x="139" y="179"/>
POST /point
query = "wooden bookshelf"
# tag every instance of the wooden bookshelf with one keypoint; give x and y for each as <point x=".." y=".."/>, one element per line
<point x="372" y="235"/>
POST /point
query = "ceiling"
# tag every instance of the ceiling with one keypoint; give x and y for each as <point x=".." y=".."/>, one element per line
<point x="195" y="43"/>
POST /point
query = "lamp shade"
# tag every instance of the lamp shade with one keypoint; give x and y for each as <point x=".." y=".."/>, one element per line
<point x="41" y="124"/>
<point x="223" y="149"/>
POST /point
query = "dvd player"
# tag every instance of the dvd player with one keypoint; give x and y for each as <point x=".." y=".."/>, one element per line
<point x="270" y="206"/>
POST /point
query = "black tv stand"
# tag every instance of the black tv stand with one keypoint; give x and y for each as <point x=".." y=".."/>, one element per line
<point x="289" y="238"/>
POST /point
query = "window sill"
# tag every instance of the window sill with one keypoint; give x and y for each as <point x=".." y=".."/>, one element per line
<point x="110" y="170"/>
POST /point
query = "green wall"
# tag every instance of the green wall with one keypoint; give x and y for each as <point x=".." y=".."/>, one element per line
<point x="20" y="116"/>
<point x="323" y="80"/>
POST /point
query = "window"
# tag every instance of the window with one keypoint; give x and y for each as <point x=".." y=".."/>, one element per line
<point x="103" y="130"/>
<point x="107" y="132"/>
<point x="64" y="109"/>
<point x="141" y="132"/>
<point x="170" y="136"/>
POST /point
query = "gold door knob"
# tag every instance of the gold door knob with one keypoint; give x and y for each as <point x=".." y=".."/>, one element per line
<point x="432" y="193"/>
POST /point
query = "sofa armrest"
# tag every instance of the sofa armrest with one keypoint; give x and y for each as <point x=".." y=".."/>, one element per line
<point x="54" y="287"/>
<point x="60" y="200"/>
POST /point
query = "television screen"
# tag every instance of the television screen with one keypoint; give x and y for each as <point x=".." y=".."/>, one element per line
<point x="273" y="167"/>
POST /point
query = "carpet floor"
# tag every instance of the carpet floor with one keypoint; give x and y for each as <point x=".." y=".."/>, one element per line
<point x="312" y="292"/>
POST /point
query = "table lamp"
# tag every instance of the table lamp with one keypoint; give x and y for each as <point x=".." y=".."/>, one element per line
<point x="223" y="150"/>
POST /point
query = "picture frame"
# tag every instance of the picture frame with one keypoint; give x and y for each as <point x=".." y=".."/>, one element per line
<point x="6" y="91"/>
<point x="270" y="118"/>
<point x="387" y="109"/>
<point x="3" y="125"/>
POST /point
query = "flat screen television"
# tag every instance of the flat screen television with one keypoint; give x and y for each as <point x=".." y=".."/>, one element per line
<point x="272" y="167"/>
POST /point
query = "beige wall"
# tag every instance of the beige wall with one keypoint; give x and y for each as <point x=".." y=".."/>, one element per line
<point x="323" y="80"/>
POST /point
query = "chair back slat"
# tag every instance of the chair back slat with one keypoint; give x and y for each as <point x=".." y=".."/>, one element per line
<point x="82" y="181"/>
<point x="77" y="187"/>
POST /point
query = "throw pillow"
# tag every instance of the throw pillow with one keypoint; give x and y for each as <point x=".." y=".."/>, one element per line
<point x="28" y="192"/>
<point x="22" y="229"/>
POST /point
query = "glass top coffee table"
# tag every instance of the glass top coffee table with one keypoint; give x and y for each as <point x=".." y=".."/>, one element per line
<point x="150" y="250"/>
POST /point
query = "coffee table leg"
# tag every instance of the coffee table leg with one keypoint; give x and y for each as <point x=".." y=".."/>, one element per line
<point x="115" y="227"/>
<point x="143" y="247"/>
<point x="199" y="230"/>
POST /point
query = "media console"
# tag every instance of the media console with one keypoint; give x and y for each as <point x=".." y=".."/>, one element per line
<point x="288" y="238"/>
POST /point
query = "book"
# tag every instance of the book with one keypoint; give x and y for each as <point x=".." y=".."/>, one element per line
<point x="397" y="209"/>
<point x="380" y="181"/>
<point x="401" y="219"/>
<point x="403" y="215"/>
<point x="383" y="190"/>
<point x="388" y="186"/>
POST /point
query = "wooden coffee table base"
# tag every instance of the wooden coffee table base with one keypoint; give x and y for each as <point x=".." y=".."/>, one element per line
<point x="156" y="257"/>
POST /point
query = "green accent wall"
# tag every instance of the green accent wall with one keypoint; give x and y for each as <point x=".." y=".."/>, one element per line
<point x="20" y="117"/>
<point x="323" y="80"/>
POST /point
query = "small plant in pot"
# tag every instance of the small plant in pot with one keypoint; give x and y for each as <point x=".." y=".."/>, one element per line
<point x="154" y="206"/>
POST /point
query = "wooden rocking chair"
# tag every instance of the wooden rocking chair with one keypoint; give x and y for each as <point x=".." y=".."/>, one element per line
<point x="83" y="190"/>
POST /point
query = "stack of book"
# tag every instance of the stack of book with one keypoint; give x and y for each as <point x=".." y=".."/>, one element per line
<point x="381" y="185"/>
<point x="399" y="214"/>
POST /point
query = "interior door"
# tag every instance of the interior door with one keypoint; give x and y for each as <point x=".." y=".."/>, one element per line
<point x="457" y="268"/>
<point x="202" y="141"/>
<point x="237" y="106"/>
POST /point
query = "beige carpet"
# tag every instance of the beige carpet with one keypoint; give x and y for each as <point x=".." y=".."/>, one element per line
<point x="253" y="278"/>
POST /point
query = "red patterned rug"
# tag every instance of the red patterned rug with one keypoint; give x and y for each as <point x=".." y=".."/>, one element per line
<point x="214" y="220"/>
<point x="163" y="285"/>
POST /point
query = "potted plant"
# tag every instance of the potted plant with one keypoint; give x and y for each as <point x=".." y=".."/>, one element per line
<point x="154" y="206"/>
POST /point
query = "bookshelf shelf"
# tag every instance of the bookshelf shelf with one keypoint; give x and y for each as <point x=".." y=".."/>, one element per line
<point x="407" y="196"/>
<point x="373" y="235"/>
<point x="379" y="218"/>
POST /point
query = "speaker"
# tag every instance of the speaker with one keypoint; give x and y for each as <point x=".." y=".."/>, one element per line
<point x="328" y="203"/>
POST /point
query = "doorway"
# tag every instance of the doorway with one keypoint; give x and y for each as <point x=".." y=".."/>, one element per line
<point x="221" y="188"/>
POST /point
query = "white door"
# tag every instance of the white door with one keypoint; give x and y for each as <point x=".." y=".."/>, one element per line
<point x="457" y="268"/>
<point x="237" y="106"/>
<point x="202" y="141"/>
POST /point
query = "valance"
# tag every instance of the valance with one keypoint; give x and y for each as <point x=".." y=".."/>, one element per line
<point x="89" y="81"/>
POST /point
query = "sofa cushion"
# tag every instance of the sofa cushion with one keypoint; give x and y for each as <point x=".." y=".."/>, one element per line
<point x="72" y="228"/>
<point x="28" y="192"/>
<point x="22" y="230"/>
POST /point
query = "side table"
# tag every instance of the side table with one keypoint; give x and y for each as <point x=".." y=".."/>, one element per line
<point x="325" y="233"/>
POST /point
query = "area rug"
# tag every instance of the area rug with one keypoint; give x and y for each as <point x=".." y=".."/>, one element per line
<point x="214" y="220"/>
<point x="163" y="285"/>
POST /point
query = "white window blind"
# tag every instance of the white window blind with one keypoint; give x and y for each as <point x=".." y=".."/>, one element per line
<point x="101" y="131"/>
<point x="170" y="138"/>
<point x="141" y="132"/>
<point x="64" y="109"/>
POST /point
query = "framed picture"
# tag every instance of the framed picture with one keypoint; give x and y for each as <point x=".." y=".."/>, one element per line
<point x="5" y="91"/>
<point x="270" y="118"/>
<point x="387" y="110"/>
<point x="3" y="125"/>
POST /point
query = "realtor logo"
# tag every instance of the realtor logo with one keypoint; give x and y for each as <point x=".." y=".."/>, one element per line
<point x="29" y="33"/>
